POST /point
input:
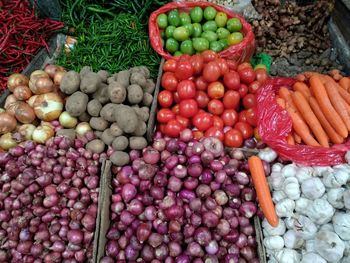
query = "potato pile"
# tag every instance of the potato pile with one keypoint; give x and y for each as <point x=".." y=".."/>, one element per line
<point x="116" y="107"/>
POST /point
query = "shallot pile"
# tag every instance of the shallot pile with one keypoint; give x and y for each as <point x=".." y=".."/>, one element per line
<point x="48" y="201"/>
<point x="182" y="201"/>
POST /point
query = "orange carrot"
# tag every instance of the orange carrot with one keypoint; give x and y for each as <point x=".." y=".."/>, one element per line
<point x="301" y="128"/>
<point x="309" y="74"/>
<point x="303" y="88"/>
<point x="281" y="102"/>
<point x="332" y="134"/>
<point x="336" y="100"/>
<point x="300" y="77"/>
<point x="346" y="105"/>
<point x="325" y="104"/>
<point x="296" y="137"/>
<point x="337" y="77"/>
<point x="345" y="95"/>
<point x="310" y="118"/>
<point x="262" y="190"/>
<point x="334" y="72"/>
<point x="290" y="139"/>
<point x="345" y="83"/>
<point x="285" y="94"/>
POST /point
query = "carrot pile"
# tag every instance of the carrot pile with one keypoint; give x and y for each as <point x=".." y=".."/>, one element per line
<point x="319" y="107"/>
<point x="22" y="34"/>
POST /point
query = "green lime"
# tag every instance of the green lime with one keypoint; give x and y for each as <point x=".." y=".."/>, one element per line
<point x="220" y="19"/>
<point x="186" y="47"/>
<point x="197" y="30"/>
<point x="169" y="31"/>
<point x="209" y="13"/>
<point x="222" y="33"/>
<point x="181" y="33"/>
<point x="184" y="18"/>
<point x="162" y="21"/>
<point x="177" y="53"/>
<point x="174" y="18"/>
<point x="189" y="28"/>
<point x="223" y="43"/>
<point x="216" y="46"/>
<point x="235" y="38"/>
<point x="234" y="24"/>
<point x="172" y="45"/>
<point x="209" y="26"/>
<point x="196" y="14"/>
<point x="200" y="44"/>
<point x="210" y="36"/>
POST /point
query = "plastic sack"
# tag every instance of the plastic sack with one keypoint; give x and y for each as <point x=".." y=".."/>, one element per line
<point x="241" y="52"/>
<point x="274" y="125"/>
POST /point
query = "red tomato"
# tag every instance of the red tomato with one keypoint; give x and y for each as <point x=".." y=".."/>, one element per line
<point x="254" y="86"/>
<point x="242" y="116"/>
<point x="197" y="62"/>
<point x="202" y="121"/>
<point x="218" y="122"/>
<point x="169" y="81"/>
<point x="246" y="130"/>
<point x="209" y="55"/>
<point x="211" y="72"/>
<point x="161" y="127"/>
<point x="188" y="108"/>
<point x="233" y="138"/>
<point x="249" y="101"/>
<point x="232" y="65"/>
<point x="173" y="128"/>
<point x="183" y="69"/>
<point x="216" y="90"/>
<point x="197" y="135"/>
<point x="244" y="65"/>
<point x="231" y="80"/>
<point x="183" y="121"/>
<point x="215" y="107"/>
<point x="176" y="97"/>
<point x="185" y="57"/>
<point x="215" y="132"/>
<point x="202" y="99"/>
<point x="186" y="89"/>
<point x="176" y="109"/>
<point x="165" y="98"/>
<point x="230" y="117"/>
<point x="247" y="75"/>
<point x="231" y="99"/>
<point x="165" y="115"/>
<point x="223" y="65"/>
<point x="243" y="90"/>
<point x="201" y="84"/>
<point x="261" y="75"/>
<point x="170" y="65"/>
<point x="251" y="118"/>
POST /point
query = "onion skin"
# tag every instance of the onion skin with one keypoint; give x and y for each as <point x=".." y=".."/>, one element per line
<point x="22" y="93"/>
<point x="31" y="100"/>
<point x="48" y="107"/>
<point x="67" y="121"/>
<point x="52" y="70"/>
<point x="24" y="113"/>
<point x="16" y="80"/>
<point x="42" y="133"/>
<point x="42" y="85"/>
<point x="7" y="123"/>
<point x="9" y="100"/>
<point x="58" y="77"/>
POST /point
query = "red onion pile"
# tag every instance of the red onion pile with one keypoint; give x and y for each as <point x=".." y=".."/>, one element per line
<point x="182" y="202"/>
<point x="48" y="202"/>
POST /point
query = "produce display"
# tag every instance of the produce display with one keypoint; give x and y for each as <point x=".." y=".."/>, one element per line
<point x="183" y="201"/>
<point x="116" y="107"/>
<point x="198" y="30"/>
<point x="214" y="96"/>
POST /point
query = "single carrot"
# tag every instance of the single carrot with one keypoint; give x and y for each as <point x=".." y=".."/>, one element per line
<point x="303" y="88"/>
<point x="300" y="127"/>
<point x="281" y="102"/>
<point x="334" y="72"/>
<point x="290" y="139"/>
<point x="325" y="104"/>
<point x="296" y="137"/>
<point x="332" y="134"/>
<point x="285" y="94"/>
<point x="300" y="77"/>
<point x="346" y="105"/>
<point x="262" y="190"/>
<point x="336" y="100"/>
<point x="309" y="74"/>
<point x="308" y="115"/>
<point x="345" y="83"/>
<point x="337" y="77"/>
<point x="345" y="95"/>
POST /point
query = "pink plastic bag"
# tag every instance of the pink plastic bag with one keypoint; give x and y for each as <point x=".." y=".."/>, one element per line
<point x="275" y="124"/>
<point x="241" y="52"/>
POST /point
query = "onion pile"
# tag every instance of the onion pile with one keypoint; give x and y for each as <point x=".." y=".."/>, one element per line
<point x="182" y="202"/>
<point x="48" y="201"/>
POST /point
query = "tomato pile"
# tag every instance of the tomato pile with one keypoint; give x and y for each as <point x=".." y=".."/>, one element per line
<point x="211" y="95"/>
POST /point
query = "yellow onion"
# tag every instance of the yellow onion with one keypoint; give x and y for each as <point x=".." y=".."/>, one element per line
<point x="7" y="142"/>
<point x="9" y="100"/>
<point x="31" y="100"/>
<point x="58" y="77"/>
<point x="7" y="123"/>
<point x="42" y="133"/>
<point x="16" y="80"/>
<point x="48" y="107"/>
<point x="46" y="123"/>
<point x="2" y="110"/>
<point x="51" y="70"/>
<point x="26" y="130"/>
<point x="83" y="128"/>
<point x="34" y="76"/>
<point x="24" y="113"/>
<point x="67" y="121"/>
<point x="42" y="85"/>
<point x="22" y="93"/>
